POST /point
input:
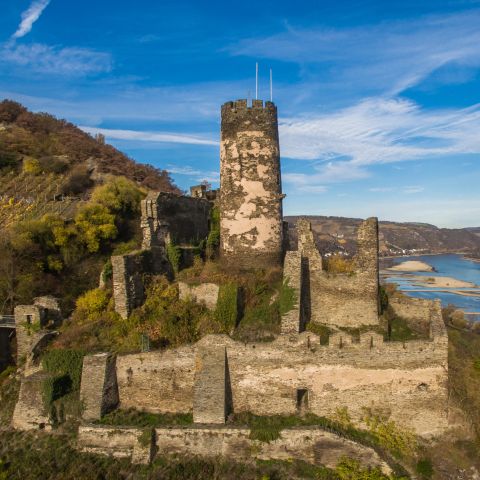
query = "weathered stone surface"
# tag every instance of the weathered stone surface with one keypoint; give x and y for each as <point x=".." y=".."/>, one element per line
<point x="99" y="390"/>
<point x="347" y="300"/>
<point x="407" y="380"/>
<point x="116" y="442"/>
<point x="28" y="318"/>
<point x="128" y="291"/>
<point x="292" y="321"/>
<point x="416" y="311"/>
<point x="168" y="218"/>
<point x="206" y="293"/>
<point x="312" y="445"/>
<point x="251" y="229"/>
<point x="209" y="395"/>
<point x="51" y="307"/>
<point x="30" y="413"/>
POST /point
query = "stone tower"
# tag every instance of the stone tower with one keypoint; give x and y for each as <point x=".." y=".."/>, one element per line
<point x="250" y="186"/>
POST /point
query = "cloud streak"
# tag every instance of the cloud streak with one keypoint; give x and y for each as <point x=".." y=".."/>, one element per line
<point x="29" y="17"/>
<point x="150" y="136"/>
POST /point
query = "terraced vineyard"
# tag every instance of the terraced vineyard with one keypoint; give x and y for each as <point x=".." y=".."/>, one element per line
<point x="27" y="197"/>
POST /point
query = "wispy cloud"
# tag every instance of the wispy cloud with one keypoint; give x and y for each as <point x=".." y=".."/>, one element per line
<point x="150" y="136"/>
<point x="388" y="57"/>
<point x="199" y="175"/>
<point x="29" y="17"/>
<point x="413" y="189"/>
<point x="56" y="60"/>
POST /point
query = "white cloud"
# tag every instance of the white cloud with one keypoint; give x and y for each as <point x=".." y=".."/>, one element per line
<point x="56" y="60"/>
<point x="387" y="57"/>
<point x="381" y="189"/>
<point x="199" y="175"/>
<point x="150" y="136"/>
<point x="413" y="189"/>
<point x="29" y="17"/>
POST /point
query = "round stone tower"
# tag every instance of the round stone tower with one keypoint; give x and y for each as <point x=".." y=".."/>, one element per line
<point x="250" y="186"/>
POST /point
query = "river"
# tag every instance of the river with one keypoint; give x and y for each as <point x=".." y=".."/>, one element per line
<point x="446" y="265"/>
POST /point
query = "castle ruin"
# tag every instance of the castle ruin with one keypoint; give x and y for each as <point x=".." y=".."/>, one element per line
<point x="295" y="373"/>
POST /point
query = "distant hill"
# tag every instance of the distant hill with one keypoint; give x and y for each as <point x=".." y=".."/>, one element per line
<point x="334" y="234"/>
<point x="49" y="165"/>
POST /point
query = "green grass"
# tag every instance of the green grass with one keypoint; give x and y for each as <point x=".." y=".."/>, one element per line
<point x="135" y="418"/>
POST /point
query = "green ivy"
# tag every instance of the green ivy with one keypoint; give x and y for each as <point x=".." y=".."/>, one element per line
<point x="226" y="312"/>
<point x="213" y="239"/>
<point x="174" y="254"/>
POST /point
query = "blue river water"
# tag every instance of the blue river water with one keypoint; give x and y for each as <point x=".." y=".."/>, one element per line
<point x="447" y="265"/>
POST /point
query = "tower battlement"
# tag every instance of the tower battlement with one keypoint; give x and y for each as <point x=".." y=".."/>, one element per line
<point x="242" y="105"/>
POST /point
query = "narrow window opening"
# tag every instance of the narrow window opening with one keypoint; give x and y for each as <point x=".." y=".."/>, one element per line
<point x="29" y="319"/>
<point x="302" y="400"/>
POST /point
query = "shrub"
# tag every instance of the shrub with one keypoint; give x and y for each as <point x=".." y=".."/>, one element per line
<point x="52" y="164"/>
<point x="95" y="224"/>
<point x="425" y="468"/>
<point x="93" y="302"/>
<point x="77" y="182"/>
<point x="118" y="195"/>
<point x="226" y="312"/>
<point x="213" y="239"/>
<point x="31" y="166"/>
<point x="339" y="264"/>
<point x="174" y="254"/>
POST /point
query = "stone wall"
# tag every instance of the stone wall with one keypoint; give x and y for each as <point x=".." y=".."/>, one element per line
<point x="5" y="347"/>
<point x="28" y="319"/>
<point x="29" y="412"/>
<point x="206" y="293"/>
<point x="251" y="228"/>
<point x="406" y="380"/>
<point x="99" y="390"/>
<point x="312" y="445"/>
<point x="168" y="218"/>
<point x="118" y="442"/>
<point x="417" y="312"/>
<point x="292" y="321"/>
<point x="341" y="299"/>
<point x="128" y="270"/>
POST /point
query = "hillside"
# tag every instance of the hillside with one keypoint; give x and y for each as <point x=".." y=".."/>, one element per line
<point x="338" y="233"/>
<point x="49" y="165"/>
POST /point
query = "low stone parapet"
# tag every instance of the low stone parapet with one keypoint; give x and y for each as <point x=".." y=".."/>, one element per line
<point x="206" y="293"/>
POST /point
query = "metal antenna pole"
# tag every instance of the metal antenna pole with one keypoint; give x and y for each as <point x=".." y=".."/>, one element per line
<point x="271" y="86"/>
<point x="256" y="81"/>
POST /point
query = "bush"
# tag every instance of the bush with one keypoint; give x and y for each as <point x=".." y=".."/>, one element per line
<point x="339" y="264"/>
<point x="31" y="166"/>
<point x="119" y="195"/>
<point x="52" y="164"/>
<point x="95" y="225"/>
<point x="213" y="239"/>
<point x="425" y="468"/>
<point x="93" y="302"/>
<point x="174" y="255"/>
<point x="77" y="182"/>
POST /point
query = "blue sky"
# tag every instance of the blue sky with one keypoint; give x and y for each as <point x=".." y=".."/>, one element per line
<point x="379" y="102"/>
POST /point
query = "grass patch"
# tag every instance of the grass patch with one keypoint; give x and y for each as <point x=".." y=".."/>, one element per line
<point x="135" y="418"/>
<point x="321" y="330"/>
<point x="226" y="312"/>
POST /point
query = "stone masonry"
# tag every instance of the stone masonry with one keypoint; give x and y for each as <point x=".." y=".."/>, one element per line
<point x="341" y="299"/>
<point x="99" y="390"/>
<point x="251" y="229"/>
<point x="210" y="388"/>
<point x="406" y="381"/>
<point x="292" y="321"/>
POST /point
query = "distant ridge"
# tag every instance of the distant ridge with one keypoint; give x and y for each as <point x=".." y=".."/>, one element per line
<point x="333" y="234"/>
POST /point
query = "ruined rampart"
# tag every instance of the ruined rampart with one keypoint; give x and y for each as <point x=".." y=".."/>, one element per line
<point x="341" y="299"/>
<point x="405" y="380"/>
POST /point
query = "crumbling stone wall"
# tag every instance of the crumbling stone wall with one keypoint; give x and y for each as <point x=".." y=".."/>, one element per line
<point x="251" y="229"/>
<point x="99" y="390"/>
<point x="342" y="299"/>
<point x="28" y="320"/>
<point x="168" y="218"/>
<point x="408" y="380"/>
<point x="128" y="270"/>
<point x="30" y="412"/>
<point x="312" y="445"/>
<point x="292" y="321"/>
<point x="417" y="312"/>
<point x="206" y="293"/>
